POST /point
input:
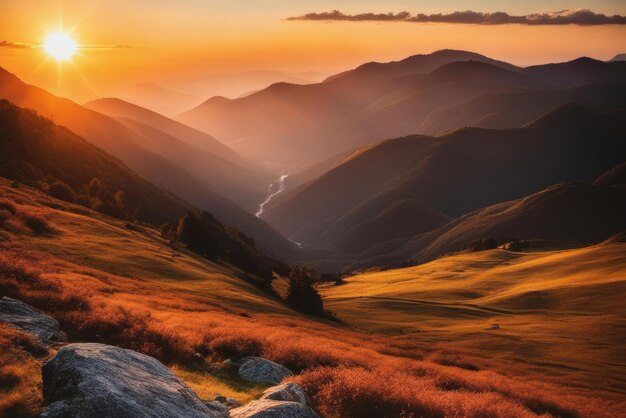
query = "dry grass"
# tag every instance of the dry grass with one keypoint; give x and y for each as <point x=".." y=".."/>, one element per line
<point x="208" y="384"/>
<point x="105" y="283"/>
<point x="20" y="363"/>
<point x="560" y="312"/>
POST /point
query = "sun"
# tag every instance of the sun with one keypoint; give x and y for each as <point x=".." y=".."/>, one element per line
<point x="60" y="46"/>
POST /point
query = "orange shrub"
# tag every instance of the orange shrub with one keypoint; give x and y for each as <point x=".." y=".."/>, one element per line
<point x="20" y="376"/>
<point x="347" y="374"/>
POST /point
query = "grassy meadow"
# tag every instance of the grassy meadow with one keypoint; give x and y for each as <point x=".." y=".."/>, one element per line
<point x="106" y="282"/>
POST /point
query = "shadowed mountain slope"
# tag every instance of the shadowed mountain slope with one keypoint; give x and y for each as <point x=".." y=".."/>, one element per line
<point x="37" y="152"/>
<point x="565" y="212"/>
<point x="616" y="175"/>
<point x="237" y="184"/>
<point x="512" y="109"/>
<point x="119" y="108"/>
<point x="560" y="215"/>
<point x="579" y="71"/>
<point x="402" y="218"/>
<point x="454" y="174"/>
<point x="121" y="142"/>
<point x="199" y="153"/>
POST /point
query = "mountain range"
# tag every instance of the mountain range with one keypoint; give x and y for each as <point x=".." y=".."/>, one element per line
<point x="418" y="182"/>
<point x="299" y="125"/>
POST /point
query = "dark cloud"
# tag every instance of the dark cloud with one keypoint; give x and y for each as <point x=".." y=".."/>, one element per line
<point x="14" y="45"/>
<point x="363" y="17"/>
<point x="563" y="17"/>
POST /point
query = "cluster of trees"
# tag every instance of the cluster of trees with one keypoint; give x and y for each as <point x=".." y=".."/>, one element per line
<point x="205" y="235"/>
<point x="489" y="243"/>
<point x="482" y="244"/>
<point x="96" y="196"/>
<point x="302" y="295"/>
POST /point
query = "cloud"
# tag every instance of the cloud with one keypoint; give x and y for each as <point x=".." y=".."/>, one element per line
<point x="14" y="45"/>
<point x="563" y="17"/>
<point x="363" y="17"/>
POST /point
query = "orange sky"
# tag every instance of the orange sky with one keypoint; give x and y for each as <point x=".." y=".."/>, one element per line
<point x="177" y="39"/>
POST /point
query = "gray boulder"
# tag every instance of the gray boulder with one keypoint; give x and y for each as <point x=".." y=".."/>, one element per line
<point x="290" y="391"/>
<point x="28" y="319"/>
<point x="229" y="402"/>
<point x="260" y="370"/>
<point x="274" y="409"/>
<point x="97" y="380"/>
<point x="219" y="409"/>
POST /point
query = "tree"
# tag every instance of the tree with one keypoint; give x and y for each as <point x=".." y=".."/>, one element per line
<point x="190" y="230"/>
<point x="483" y="244"/>
<point x="62" y="191"/>
<point x="302" y="295"/>
<point x="120" y="201"/>
<point x="95" y="187"/>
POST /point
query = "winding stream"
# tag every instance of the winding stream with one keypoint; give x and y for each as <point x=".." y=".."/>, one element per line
<point x="280" y="183"/>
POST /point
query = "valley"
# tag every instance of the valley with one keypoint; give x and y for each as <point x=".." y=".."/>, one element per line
<point x="274" y="189"/>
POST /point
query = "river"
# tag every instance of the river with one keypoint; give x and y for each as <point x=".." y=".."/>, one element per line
<point x="275" y="188"/>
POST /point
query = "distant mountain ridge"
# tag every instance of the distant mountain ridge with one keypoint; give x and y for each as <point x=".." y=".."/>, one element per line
<point x="158" y="98"/>
<point x="301" y="125"/>
<point x="619" y="57"/>
<point x="421" y="63"/>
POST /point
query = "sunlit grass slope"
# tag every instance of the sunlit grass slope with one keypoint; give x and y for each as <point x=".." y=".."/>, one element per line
<point x="93" y="240"/>
<point x="561" y="312"/>
<point x="121" y="284"/>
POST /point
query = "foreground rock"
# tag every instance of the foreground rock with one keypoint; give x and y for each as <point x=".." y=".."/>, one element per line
<point x="273" y="409"/>
<point x="290" y="392"/>
<point x="28" y="319"/>
<point x="260" y="370"/>
<point x="97" y="380"/>
<point x="218" y="409"/>
<point x="229" y="402"/>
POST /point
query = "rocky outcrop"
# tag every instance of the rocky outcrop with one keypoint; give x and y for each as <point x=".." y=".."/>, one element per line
<point x="290" y="392"/>
<point x="260" y="370"/>
<point x="283" y="401"/>
<point x="219" y="409"/>
<point x="97" y="380"/>
<point x="229" y="402"/>
<point x="274" y="409"/>
<point x="28" y="319"/>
